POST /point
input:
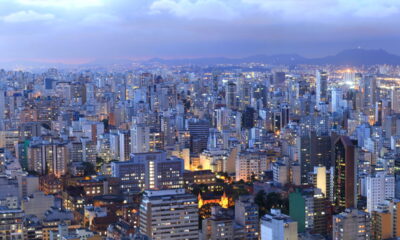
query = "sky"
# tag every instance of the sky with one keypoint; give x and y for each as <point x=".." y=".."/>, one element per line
<point x="79" y="31"/>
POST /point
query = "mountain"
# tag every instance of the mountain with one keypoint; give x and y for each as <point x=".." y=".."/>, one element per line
<point x="353" y="57"/>
<point x="346" y="57"/>
<point x="359" y="57"/>
<point x="271" y="59"/>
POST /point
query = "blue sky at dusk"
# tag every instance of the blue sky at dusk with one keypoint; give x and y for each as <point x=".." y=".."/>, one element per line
<point x="74" y="31"/>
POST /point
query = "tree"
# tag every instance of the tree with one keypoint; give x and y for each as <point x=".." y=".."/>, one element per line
<point x="272" y="200"/>
<point x="199" y="188"/>
<point x="89" y="169"/>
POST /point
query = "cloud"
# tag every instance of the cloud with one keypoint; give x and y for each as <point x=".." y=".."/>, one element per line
<point x="170" y="28"/>
<point x="328" y="9"/>
<point x="207" y="9"/>
<point x="290" y="10"/>
<point x="62" y="3"/>
<point x="96" y="18"/>
<point x="27" y="16"/>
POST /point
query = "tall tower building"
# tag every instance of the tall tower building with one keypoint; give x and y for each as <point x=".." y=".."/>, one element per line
<point x="199" y="131"/>
<point x="352" y="224"/>
<point x="321" y="87"/>
<point x="344" y="187"/>
<point x="231" y="96"/>
<point x="368" y="93"/>
<point x="314" y="150"/>
<point x="380" y="186"/>
<point x="140" y="138"/>
<point x="278" y="226"/>
<point x="279" y="79"/>
<point x="2" y="103"/>
<point x="124" y="145"/>
<point x="152" y="170"/>
<point x="395" y="99"/>
<point x="169" y="214"/>
<point x="11" y="223"/>
<point x="308" y="207"/>
<point x="337" y="100"/>
<point x="246" y="215"/>
<point x="321" y="178"/>
<point x="219" y="225"/>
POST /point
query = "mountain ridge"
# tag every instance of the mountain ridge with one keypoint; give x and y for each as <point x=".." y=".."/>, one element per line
<point x="354" y="57"/>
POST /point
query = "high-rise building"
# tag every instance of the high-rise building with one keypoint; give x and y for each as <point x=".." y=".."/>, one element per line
<point x="381" y="225"/>
<point x="344" y="184"/>
<point x="285" y="114"/>
<point x="309" y="208"/>
<point x="380" y="186"/>
<point x="231" y="96"/>
<point x="352" y="224"/>
<point x="124" y="145"/>
<point x="140" y="138"/>
<point x="199" y="131"/>
<point x="378" y="112"/>
<point x="169" y="214"/>
<point x="280" y="172"/>
<point x="278" y="226"/>
<point x="321" y="178"/>
<point x="394" y="209"/>
<point x="250" y="164"/>
<point x="321" y="87"/>
<point x="152" y="170"/>
<point x="369" y="93"/>
<point x="314" y="150"/>
<point x="45" y="157"/>
<point x="279" y="78"/>
<point x="395" y="99"/>
<point x="246" y="215"/>
<point x="337" y="100"/>
<point x="11" y="223"/>
<point x="2" y="104"/>
<point x="219" y="225"/>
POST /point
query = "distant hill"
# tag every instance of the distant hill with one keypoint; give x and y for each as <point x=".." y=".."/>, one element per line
<point x="271" y="59"/>
<point x="346" y="57"/>
<point x="359" y="57"/>
<point x="353" y="57"/>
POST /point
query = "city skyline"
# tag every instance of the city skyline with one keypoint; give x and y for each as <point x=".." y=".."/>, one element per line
<point x="199" y="120"/>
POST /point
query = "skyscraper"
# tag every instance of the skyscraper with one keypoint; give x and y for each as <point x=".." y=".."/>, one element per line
<point x="246" y="215"/>
<point x="368" y="93"/>
<point x="308" y="207"/>
<point x="314" y="150"/>
<point x="152" y="170"/>
<point x="219" y="225"/>
<point x="11" y="223"/>
<point x="278" y="226"/>
<point x="199" y="131"/>
<point x="352" y="224"/>
<point x="169" y="214"/>
<point x="279" y="78"/>
<point x="140" y="140"/>
<point x="395" y="99"/>
<point x="380" y="186"/>
<point x="231" y="96"/>
<point x="124" y="145"/>
<point x="344" y="194"/>
<point x="321" y="87"/>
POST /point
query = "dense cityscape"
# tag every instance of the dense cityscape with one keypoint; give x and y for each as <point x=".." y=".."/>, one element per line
<point x="249" y="151"/>
<point x="199" y="120"/>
